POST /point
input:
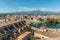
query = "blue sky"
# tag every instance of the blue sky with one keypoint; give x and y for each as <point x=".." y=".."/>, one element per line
<point x="29" y="5"/>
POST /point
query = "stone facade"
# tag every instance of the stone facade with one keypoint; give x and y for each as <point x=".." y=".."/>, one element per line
<point x="12" y="31"/>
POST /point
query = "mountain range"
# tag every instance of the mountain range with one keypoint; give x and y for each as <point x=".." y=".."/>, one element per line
<point x="33" y="12"/>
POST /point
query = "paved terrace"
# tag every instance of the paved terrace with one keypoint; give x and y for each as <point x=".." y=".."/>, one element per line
<point x="50" y="34"/>
<point x="24" y="36"/>
<point x="8" y="22"/>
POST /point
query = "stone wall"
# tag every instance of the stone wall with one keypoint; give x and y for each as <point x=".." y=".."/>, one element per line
<point x="12" y="31"/>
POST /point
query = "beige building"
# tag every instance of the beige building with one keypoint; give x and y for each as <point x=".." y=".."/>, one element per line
<point x="50" y="35"/>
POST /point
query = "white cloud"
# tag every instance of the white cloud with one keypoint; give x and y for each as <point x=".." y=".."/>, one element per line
<point x="43" y="9"/>
<point x="31" y="9"/>
<point x="27" y="9"/>
<point x="50" y="9"/>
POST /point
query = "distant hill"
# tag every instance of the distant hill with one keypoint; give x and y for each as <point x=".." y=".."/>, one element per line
<point x="33" y="12"/>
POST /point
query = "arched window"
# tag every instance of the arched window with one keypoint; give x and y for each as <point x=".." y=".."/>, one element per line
<point x="27" y="27"/>
<point x="24" y="28"/>
<point x="16" y="26"/>
<point x="11" y="27"/>
<point x="20" y="24"/>
<point x="6" y="29"/>
<point x="2" y="32"/>
<point x="21" y="30"/>
<point x="23" y="22"/>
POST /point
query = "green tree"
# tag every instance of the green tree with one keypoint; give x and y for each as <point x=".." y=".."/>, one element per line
<point x="5" y="18"/>
<point x="51" y="22"/>
<point x="32" y="37"/>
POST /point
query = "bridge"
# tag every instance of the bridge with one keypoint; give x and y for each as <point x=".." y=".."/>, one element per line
<point x="12" y="30"/>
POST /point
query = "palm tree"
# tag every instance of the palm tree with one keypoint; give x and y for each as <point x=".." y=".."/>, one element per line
<point x="5" y="19"/>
